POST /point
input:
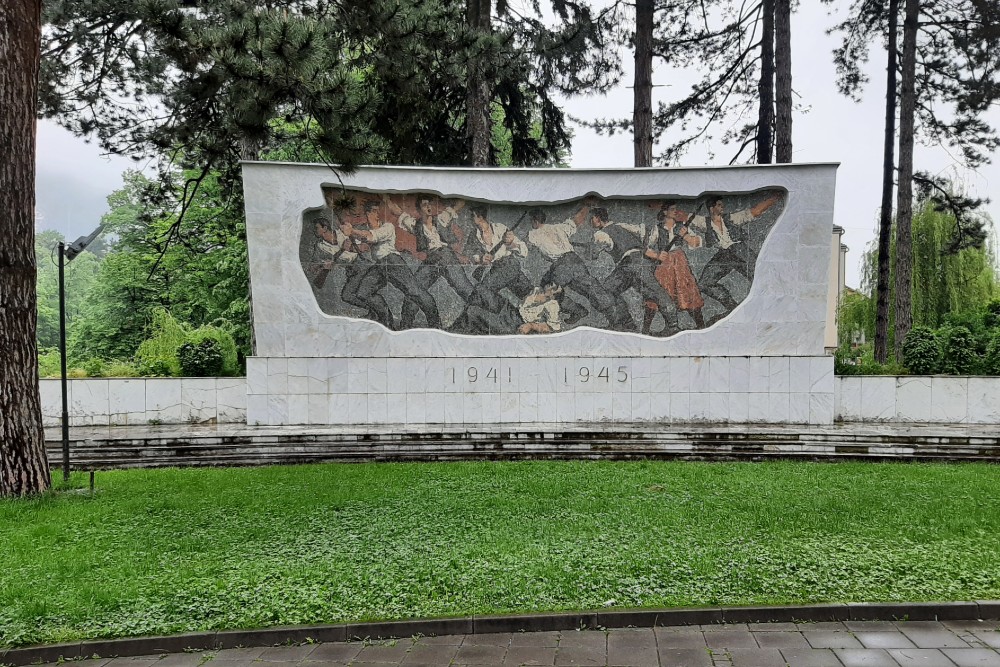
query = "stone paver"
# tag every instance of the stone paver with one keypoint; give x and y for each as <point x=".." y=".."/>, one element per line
<point x="848" y="644"/>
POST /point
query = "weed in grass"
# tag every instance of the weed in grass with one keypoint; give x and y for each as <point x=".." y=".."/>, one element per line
<point x="163" y="551"/>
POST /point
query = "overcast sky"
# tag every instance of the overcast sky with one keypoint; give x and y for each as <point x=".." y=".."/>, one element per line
<point x="74" y="179"/>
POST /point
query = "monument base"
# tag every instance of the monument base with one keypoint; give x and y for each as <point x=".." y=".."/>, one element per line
<point x="484" y="392"/>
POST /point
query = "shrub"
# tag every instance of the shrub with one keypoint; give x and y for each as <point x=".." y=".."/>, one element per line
<point x="991" y="360"/>
<point x="94" y="368"/>
<point x="958" y="354"/>
<point x="202" y="359"/>
<point x="157" y="355"/>
<point x="921" y="351"/>
<point x="120" y="369"/>
<point x="991" y="318"/>
<point x="48" y="363"/>
<point x="226" y="345"/>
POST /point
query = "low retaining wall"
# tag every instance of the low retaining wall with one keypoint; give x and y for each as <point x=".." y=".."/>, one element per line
<point x="868" y="399"/>
<point x="918" y="398"/>
<point x="141" y="401"/>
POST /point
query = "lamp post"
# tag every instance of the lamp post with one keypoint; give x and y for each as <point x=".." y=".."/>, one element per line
<point x="67" y="254"/>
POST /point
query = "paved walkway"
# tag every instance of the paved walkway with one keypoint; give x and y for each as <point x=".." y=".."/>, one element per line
<point x="848" y="644"/>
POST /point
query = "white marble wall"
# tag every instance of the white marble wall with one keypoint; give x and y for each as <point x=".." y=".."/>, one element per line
<point x="918" y="398"/>
<point x="785" y="313"/>
<point x="142" y="401"/>
<point x="494" y="390"/>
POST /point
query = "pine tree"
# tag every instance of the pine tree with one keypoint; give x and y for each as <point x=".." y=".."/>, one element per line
<point x="24" y="468"/>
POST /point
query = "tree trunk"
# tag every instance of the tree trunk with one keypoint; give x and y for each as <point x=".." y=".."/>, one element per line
<point x="765" y="87"/>
<point x="24" y="468"/>
<point x="478" y="121"/>
<point x="783" y="80"/>
<point x="904" y="191"/>
<point x="642" y="106"/>
<point x="885" y="221"/>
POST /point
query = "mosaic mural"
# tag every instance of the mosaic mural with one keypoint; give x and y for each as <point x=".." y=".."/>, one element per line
<point x="649" y="266"/>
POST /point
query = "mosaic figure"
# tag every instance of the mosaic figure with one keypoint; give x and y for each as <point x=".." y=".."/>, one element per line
<point x="649" y="266"/>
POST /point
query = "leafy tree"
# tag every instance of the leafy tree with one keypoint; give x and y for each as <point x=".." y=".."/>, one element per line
<point x="81" y="275"/>
<point x="197" y="269"/>
<point x="949" y="78"/>
<point x="956" y="278"/>
<point x="24" y="467"/>
<point x="958" y="354"/>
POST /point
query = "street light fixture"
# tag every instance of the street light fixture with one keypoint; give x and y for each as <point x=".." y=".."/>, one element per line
<point x="67" y="253"/>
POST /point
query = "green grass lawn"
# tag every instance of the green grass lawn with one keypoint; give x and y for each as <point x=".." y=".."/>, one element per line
<point x="182" y="550"/>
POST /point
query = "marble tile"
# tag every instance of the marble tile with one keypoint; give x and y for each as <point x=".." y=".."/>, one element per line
<point x="395" y="375"/>
<point x="277" y="409"/>
<point x="778" y="372"/>
<point x="454" y="409"/>
<point x="347" y="409"/>
<point x="318" y="374"/>
<point x="739" y="374"/>
<point x="758" y="407"/>
<point x="777" y="408"/>
<point x="603" y="408"/>
<point x="89" y="401"/>
<point x="621" y="375"/>
<point x="700" y="377"/>
<point x="621" y="407"/>
<point x="126" y="400"/>
<point x="719" y="369"/>
<point x="357" y="376"/>
<point x="298" y="376"/>
<point x="878" y="397"/>
<point x="680" y="375"/>
<point x="257" y="410"/>
<point x="528" y="408"/>
<point x="380" y="408"/>
<point x="659" y="372"/>
<point x="298" y="408"/>
<point x="318" y="409"/>
<point x="539" y="375"/>
<point x="337" y="376"/>
<point x="798" y="407"/>
<point x="472" y="410"/>
<point x="678" y="406"/>
<point x="700" y="406"/>
<point x="950" y="399"/>
<point x="642" y="406"/>
<point x="584" y="407"/>
<point x="640" y="374"/>
<point x="416" y="408"/>
<point x="416" y="377"/>
<point x="984" y="400"/>
<point x="198" y="396"/>
<point x="548" y="407"/>
<point x="435" y="406"/>
<point x="566" y="408"/>
<point x="277" y="376"/>
<point x="913" y="398"/>
<point x="821" y="375"/>
<point x="849" y="408"/>
<point x="510" y="408"/>
<point x="164" y="402"/>
<point x="256" y="375"/>
<point x="760" y="375"/>
<point x="739" y="407"/>
<point x="799" y="381"/>
<point x="377" y="377"/>
<point x="718" y="407"/>
<point x="820" y="408"/>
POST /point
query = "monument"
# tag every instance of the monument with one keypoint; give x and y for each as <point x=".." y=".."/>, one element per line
<point x="511" y="296"/>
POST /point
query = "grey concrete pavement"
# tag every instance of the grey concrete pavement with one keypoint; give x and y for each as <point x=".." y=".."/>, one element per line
<point x="830" y="644"/>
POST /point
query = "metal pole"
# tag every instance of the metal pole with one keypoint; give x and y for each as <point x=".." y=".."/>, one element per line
<point x="62" y="359"/>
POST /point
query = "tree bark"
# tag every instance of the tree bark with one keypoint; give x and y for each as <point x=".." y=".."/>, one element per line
<point x="642" y="106"/>
<point x="783" y="80"/>
<point x="765" y="87"/>
<point x="478" y="121"/>
<point x="24" y="468"/>
<point x="885" y="220"/>
<point x="904" y="191"/>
